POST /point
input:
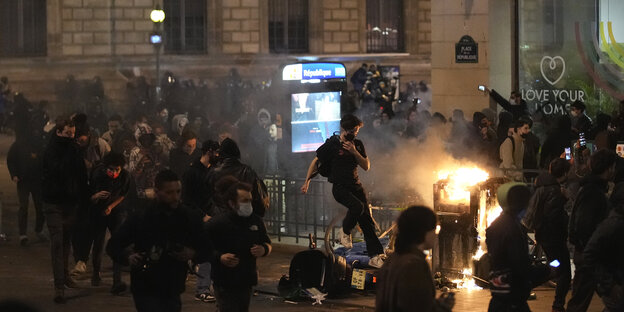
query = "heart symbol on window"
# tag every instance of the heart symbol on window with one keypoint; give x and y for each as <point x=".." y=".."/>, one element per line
<point x="551" y="63"/>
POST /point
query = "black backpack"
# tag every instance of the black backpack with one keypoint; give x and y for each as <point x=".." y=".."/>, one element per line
<point x="325" y="154"/>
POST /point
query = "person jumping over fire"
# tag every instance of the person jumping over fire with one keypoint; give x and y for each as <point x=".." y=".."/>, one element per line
<point x="338" y="159"/>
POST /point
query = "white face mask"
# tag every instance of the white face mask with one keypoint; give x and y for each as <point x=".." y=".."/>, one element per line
<point x="245" y="210"/>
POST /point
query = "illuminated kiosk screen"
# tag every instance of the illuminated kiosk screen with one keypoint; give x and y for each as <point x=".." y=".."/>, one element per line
<point x="315" y="117"/>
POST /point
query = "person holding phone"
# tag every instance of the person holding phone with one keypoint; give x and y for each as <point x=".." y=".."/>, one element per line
<point x="547" y="216"/>
<point x="405" y="282"/>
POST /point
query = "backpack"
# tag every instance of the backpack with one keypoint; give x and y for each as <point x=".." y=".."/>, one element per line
<point x="325" y="154"/>
<point x="513" y="145"/>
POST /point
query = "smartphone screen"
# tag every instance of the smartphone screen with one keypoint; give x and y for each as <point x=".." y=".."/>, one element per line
<point x="582" y="139"/>
<point x="418" y="100"/>
<point x="555" y="263"/>
<point x="481" y="88"/>
<point x="568" y="153"/>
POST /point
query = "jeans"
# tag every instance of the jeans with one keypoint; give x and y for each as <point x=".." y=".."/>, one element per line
<point x="203" y="283"/>
<point x="60" y="219"/>
<point x="583" y="286"/>
<point x="100" y="224"/>
<point x="230" y="299"/>
<point x="564" y="272"/>
<point x="24" y="190"/>
<point x="353" y="197"/>
<point x="82" y="238"/>
<point x="157" y="303"/>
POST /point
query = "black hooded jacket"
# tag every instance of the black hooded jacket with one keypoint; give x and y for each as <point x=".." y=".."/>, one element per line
<point x="590" y="208"/>
<point x="64" y="172"/>
<point x="546" y="213"/>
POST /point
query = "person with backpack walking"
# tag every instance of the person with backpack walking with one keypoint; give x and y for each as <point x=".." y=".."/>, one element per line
<point x="338" y="159"/>
<point x="512" y="150"/>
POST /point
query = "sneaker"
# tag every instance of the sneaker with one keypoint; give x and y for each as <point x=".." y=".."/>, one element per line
<point x="42" y="237"/>
<point x="345" y="240"/>
<point x="80" y="268"/>
<point x="59" y="296"/>
<point x="205" y="297"/>
<point x="96" y="280"/>
<point x="23" y="240"/>
<point x="376" y="262"/>
<point x="118" y="288"/>
<point x="70" y="283"/>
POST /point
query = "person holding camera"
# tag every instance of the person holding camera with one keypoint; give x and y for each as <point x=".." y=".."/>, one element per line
<point x="344" y="154"/>
<point x="158" y="243"/>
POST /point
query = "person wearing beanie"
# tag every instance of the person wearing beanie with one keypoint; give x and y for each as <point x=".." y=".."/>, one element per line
<point x="512" y="275"/>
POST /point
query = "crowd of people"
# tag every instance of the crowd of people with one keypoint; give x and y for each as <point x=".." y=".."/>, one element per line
<point x="169" y="181"/>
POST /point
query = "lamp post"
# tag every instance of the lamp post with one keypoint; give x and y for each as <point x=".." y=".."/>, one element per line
<point x="156" y="38"/>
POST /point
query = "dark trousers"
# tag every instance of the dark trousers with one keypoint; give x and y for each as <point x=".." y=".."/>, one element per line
<point x="24" y="190"/>
<point x="157" y="303"/>
<point x="82" y="240"/>
<point x="100" y="224"/>
<point x="584" y="284"/>
<point x="614" y="300"/>
<point x="353" y="197"/>
<point x="501" y="304"/>
<point x="233" y="299"/>
<point x="60" y="219"/>
<point x="564" y="272"/>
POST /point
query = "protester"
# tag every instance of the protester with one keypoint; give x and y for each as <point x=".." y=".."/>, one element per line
<point x="239" y="237"/>
<point x="24" y="164"/>
<point x="547" y="216"/>
<point x="64" y="183"/>
<point x="112" y="187"/>
<point x="512" y="275"/>
<point x="512" y="151"/>
<point x="181" y="157"/>
<point x="515" y="105"/>
<point x="590" y="208"/>
<point x="405" y="281"/>
<point x="581" y="123"/>
<point x="344" y="154"/>
<point x="604" y="254"/>
<point x="157" y="243"/>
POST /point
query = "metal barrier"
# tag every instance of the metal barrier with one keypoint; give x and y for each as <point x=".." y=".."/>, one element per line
<point x="292" y="214"/>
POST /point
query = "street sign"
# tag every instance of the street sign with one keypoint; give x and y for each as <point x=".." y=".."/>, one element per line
<point x="466" y="50"/>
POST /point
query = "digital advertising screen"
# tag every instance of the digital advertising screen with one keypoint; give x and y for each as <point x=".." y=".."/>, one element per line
<point x="315" y="117"/>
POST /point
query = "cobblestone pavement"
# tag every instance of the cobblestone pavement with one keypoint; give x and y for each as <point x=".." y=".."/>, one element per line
<point x="26" y="274"/>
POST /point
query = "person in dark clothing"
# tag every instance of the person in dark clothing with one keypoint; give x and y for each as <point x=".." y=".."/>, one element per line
<point x="604" y="254"/>
<point x="512" y="275"/>
<point x="556" y="141"/>
<point x="505" y="122"/>
<point x="602" y="134"/>
<point x="64" y="183"/>
<point x="24" y="164"/>
<point x="359" y="78"/>
<point x="483" y="140"/>
<point x="531" y="151"/>
<point x="197" y="194"/>
<point x="231" y="165"/>
<point x="181" y="157"/>
<point x="345" y="153"/>
<point x="515" y="105"/>
<point x="547" y="216"/>
<point x="157" y="243"/>
<point x="239" y="237"/>
<point x="581" y="123"/>
<point x="405" y="281"/>
<point x="111" y="186"/>
<point x="590" y="208"/>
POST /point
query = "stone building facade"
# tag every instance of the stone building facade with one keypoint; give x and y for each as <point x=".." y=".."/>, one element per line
<point x="110" y="39"/>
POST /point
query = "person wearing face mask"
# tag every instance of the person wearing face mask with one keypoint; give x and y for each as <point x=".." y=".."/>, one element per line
<point x="511" y="151"/>
<point x="111" y="186"/>
<point x="157" y="242"/>
<point x="581" y="123"/>
<point x="64" y="184"/>
<point x="515" y="105"/>
<point x="346" y="153"/>
<point x="590" y="208"/>
<point x="239" y="238"/>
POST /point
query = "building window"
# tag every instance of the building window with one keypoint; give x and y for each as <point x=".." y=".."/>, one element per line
<point x="185" y="26"/>
<point x="22" y="27"/>
<point x="288" y="26"/>
<point x="384" y="26"/>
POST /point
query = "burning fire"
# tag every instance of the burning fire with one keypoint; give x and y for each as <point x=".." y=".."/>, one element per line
<point x="467" y="282"/>
<point x="460" y="181"/>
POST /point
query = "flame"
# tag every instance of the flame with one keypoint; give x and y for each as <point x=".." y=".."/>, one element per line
<point x="467" y="282"/>
<point x="460" y="181"/>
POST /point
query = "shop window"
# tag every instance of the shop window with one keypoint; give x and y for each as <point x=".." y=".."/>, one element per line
<point x="288" y="26"/>
<point x="185" y="26"/>
<point x="384" y="26"/>
<point x="22" y="27"/>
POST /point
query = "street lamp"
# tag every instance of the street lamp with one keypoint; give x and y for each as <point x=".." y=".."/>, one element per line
<point x="156" y="39"/>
